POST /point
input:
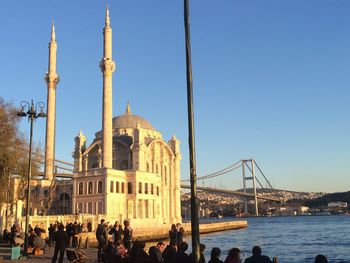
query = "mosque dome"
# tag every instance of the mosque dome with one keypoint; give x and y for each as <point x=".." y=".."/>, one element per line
<point x="129" y="120"/>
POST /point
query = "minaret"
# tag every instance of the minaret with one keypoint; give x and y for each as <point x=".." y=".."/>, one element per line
<point x="107" y="66"/>
<point x="52" y="79"/>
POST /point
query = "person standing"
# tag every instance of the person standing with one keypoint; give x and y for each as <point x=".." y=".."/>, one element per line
<point x="51" y="230"/>
<point x="60" y="238"/>
<point x="173" y="235"/>
<point x="180" y="235"/>
<point x="116" y="232"/>
<point x="127" y="235"/>
<point x="102" y="238"/>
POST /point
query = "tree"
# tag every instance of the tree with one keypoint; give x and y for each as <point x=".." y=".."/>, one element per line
<point x="13" y="151"/>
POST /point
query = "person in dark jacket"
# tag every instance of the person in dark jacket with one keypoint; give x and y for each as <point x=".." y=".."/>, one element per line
<point x="127" y="235"/>
<point x="116" y="232"/>
<point x="173" y="235"/>
<point x="102" y="238"/>
<point x="215" y="255"/>
<point x="155" y="253"/>
<point x="181" y="256"/>
<point x="138" y="250"/>
<point x="169" y="253"/>
<point x="179" y="235"/>
<point x="61" y="238"/>
<point x="321" y="259"/>
<point x="257" y="257"/>
<point x="51" y="230"/>
<point x="233" y="256"/>
<point x="201" y="254"/>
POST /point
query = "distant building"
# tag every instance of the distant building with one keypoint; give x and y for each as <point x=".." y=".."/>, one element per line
<point x="337" y="205"/>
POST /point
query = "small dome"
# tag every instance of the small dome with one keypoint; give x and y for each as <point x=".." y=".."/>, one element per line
<point x="129" y="120"/>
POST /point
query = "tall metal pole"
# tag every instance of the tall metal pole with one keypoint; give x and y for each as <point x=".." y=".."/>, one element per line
<point x="31" y="118"/>
<point x="191" y="140"/>
<point x="254" y="188"/>
<point x="7" y="200"/>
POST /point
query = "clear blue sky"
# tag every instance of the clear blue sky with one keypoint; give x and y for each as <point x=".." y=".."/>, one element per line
<point x="271" y="79"/>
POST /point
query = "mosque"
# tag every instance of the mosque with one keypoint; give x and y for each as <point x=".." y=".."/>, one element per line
<point x="128" y="171"/>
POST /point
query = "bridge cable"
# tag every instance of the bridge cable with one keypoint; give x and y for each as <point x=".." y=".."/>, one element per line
<point x="263" y="174"/>
<point x="220" y="172"/>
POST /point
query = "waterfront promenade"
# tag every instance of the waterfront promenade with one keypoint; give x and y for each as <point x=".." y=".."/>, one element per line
<point x="146" y="234"/>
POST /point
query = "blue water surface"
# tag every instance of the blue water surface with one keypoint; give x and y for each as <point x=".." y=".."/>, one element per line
<point x="291" y="239"/>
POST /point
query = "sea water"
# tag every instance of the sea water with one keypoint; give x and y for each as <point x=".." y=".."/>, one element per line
<point x="291" y="239"/>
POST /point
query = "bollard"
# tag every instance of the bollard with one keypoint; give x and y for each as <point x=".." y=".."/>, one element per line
<point x="87" y="242"/>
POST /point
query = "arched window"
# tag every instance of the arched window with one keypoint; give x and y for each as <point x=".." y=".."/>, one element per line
<point x="111" y="187"/>
<point x="156" y="168"/>
<point x="80" y="188"/>
<point x="123" y="187"/>
<point x="90" y="187"/>
<point x="99" y="187"/>
<point x="89" y="207"/>
<point x="46" y="193"/>
<point x="64" y="196"/>
<point x="129" y="187"/>
<point x="117" y="190"/>
<point x="140" y="188"/>
<point x="157" y="190"/>
<point x="147" y="167"/>
<point x="146" y="188"/>
<point x="151" y="189"/>
<point x="80" y="208"/>
<point x="124" y="165"/>
<point x="99" y="208"/>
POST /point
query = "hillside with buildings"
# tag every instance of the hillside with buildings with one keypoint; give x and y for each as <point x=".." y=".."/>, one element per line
<point x="294" y="203"/>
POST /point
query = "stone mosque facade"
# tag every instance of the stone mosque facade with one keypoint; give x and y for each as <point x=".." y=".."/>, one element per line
<point x="144" y="181"/>
<point x="128" y="171"/>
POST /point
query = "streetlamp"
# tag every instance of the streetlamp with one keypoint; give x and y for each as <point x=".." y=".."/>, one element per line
<point x="32" y="115"/>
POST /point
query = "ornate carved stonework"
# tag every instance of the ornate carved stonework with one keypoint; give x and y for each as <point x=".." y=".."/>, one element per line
<point x="107" y="66"/>
<point x="52" y="78"/>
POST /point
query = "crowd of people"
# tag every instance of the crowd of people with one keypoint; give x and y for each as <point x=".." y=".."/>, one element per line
<point x="122" y="247"/>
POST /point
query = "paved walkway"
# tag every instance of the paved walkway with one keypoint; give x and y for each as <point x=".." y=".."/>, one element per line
<point x="5" y="255"/>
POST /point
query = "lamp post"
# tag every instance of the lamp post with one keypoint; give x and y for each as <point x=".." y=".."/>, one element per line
<point x="32" y="115"/>
<point x="191" y="138"/>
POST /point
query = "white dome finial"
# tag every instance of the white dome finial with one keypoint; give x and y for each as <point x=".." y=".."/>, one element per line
<point x="128" y="109"/>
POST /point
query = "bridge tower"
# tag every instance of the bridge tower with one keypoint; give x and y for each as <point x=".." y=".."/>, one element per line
<point x="249" y="178"/>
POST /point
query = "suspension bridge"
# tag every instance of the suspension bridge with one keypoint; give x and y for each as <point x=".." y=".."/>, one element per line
<point x="250" y="172"/>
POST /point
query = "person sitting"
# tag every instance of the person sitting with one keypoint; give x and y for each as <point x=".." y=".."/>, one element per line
<point x="181" y="256"/>
<point x="169" y="253"/>
<point x="138" y="250"/>
<point x="233" y="256"/>
<point x="155" y="253"/>
<point x="215" y="255"/>
<point x="109" y="255"/>
<point x="119" y="249"/>
<point x="321" y="259"/>
<point x="39" y="244"/>
<point x="257" y="257"/>
<point x="201" y="254"/>
<point x="17" y="238"/>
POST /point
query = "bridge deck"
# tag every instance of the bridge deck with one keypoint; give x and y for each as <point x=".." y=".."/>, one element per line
<point x="232" y="192"/>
